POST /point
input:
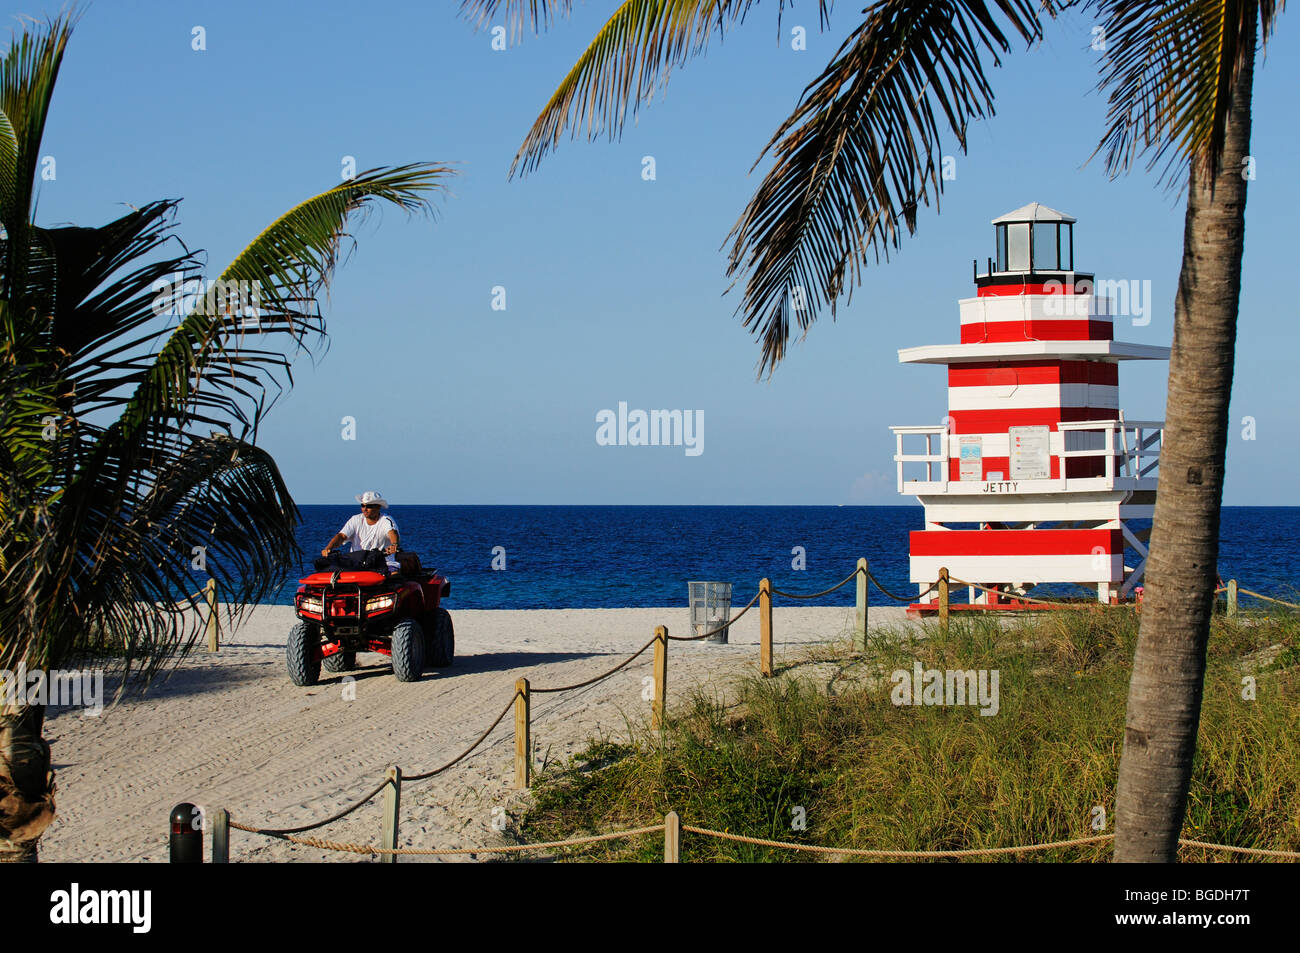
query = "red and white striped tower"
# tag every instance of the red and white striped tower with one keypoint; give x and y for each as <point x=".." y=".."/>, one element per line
<point x="1035" y="473"/>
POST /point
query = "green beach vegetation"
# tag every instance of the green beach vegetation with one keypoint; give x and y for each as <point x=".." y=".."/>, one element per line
<point x="820" y="754"/>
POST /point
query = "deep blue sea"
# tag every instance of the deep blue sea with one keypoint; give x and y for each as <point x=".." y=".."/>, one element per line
<point x="615" y="556"/>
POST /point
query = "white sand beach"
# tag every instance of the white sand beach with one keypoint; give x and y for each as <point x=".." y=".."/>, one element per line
<point x="230" y="730"/>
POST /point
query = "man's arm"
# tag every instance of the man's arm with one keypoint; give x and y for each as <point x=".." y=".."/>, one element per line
<point x="392" y="541"/>
<point x="333" y="544"/>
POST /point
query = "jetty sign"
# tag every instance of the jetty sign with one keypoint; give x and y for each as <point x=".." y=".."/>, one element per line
<point x="1001" y="486"/>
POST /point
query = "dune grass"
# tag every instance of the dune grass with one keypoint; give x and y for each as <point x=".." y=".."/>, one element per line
<point x="860" y="771"/>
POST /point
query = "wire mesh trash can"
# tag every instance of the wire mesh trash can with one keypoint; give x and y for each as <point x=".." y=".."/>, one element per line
<point x="710" y="608"/>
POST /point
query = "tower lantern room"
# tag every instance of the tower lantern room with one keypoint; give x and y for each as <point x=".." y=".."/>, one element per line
<point x="1035" y="473"/>
<point x="1033" y="239"/>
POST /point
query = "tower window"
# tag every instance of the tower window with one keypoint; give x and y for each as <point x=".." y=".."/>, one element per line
<point x="1018" y="246"/>
<point x="1047" y="254"/>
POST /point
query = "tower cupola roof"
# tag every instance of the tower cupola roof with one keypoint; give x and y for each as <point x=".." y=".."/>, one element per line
<point x="1034" y="212"/>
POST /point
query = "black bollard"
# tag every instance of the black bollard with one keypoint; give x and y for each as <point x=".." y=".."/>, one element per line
<point x="187" y="834"/>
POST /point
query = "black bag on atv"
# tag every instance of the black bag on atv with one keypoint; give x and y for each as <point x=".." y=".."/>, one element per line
<point x="372" y="560"/>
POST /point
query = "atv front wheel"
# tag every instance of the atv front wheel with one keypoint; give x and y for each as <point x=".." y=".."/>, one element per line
<point x="442" y="642"/>
<point x="408" y="651"/>
<point x="341" y="661"/>
<point x="301" y="654"/>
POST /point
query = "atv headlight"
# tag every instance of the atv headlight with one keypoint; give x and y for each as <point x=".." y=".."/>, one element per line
<point x="310" y="604"/>
<point x="379" y="604"/>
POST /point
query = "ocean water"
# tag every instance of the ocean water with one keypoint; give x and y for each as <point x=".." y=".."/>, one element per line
<point x="640" y="556"/>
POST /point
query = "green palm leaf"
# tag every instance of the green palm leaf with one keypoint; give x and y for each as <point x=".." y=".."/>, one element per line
<point x="103" y="303"/>
<point x="629" y="59"/>
<point x="156" y="414"/>
<point x="146" y="488"/>
<point x="1170" y="68"/>
<point x="8" y="165"/>
<point x="288" y="264"/>
<point x="533" y="15"/>
<point x="862" y="151"/>
<point x="28" y="71"/>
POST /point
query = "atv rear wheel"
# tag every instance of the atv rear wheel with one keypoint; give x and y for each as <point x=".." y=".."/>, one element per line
<point x="341" y="661"/>
<point x="408" y="650"/>
<point x="300" y="653"/>
<point x="442" y="640"/>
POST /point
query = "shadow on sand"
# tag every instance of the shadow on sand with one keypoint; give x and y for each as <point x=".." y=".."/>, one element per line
<point x="371" y="665"/>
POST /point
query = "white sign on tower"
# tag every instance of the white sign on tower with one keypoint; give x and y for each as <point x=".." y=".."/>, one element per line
<point x="1029" y="457"/>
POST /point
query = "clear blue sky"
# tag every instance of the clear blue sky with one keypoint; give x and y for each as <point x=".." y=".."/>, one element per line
<point x="614" y="284"/>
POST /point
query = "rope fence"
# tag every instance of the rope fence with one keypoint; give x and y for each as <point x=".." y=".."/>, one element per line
<point x="817" y="595"/>
<point x="672" y="828"/>
<point x="452" y="851"/>
<point x="520" y="703"/>
<point x="1259" y="595"/>
<point x="286" y="831"/>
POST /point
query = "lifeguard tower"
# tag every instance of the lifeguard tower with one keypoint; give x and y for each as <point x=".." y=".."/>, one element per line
<point x="1035" y="474"/>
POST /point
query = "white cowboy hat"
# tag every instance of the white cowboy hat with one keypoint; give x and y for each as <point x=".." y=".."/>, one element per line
<point x="370" y="496"/>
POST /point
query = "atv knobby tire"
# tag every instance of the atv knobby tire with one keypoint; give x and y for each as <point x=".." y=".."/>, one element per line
<point x="442" y="640"/>
<point x="408" y="650"/>
<point x="301" y="654"/>
<point x="343" y="661"/>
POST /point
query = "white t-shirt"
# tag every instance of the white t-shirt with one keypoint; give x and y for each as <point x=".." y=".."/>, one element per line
<point x="362" y="535"/>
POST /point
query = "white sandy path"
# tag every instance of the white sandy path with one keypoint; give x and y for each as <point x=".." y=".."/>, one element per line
<point x="230" y="730"/>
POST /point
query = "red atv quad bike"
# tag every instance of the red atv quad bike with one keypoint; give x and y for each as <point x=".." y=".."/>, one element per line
<point x="344" y="610"/>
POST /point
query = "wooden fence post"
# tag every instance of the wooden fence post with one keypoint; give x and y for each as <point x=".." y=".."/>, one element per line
<point x="943" y="598"/>
<point x="392" y="804"/>
<point x="658" y="706"/>
<point x="1232" y="597"/>
<point x="860" y="630"/>
<point x="672" y="838"/>
<point x="765" y="627"/>
<point x="221" y="837"/>
<point x="210" y="593"/>
<point x="523" y="763"/>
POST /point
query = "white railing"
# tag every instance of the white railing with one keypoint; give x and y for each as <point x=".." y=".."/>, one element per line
<point x="1130" y="449"/>
<point x="1136" y="456"/>
<point x="930" y="458"/>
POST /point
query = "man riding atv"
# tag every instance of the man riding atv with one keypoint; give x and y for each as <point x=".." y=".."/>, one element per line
<point x="368" y="529"/>
<point x="376" y="598"/>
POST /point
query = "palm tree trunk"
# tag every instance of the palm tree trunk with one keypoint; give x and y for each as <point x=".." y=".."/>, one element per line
<point x="26" y="783"/>
<point x="1164" y="701"/>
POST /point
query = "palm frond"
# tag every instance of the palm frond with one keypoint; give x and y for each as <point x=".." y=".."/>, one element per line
<point x="88" y="309"/>
<point x="132" y="558"/>
<point x="622" y="68"/>
<point x="28" y="71"/>
<point x="285" y="267"/>
<point x="8" y="165"/>
<point x="98" y="521"/>
<point x="520" y="15"/>
<point x="537" y="15"/>
<point x="862" y="151"/>
<point x="135" y="496"/>
<point x="1170" y="68"/>
<point x="102" y="306"/>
